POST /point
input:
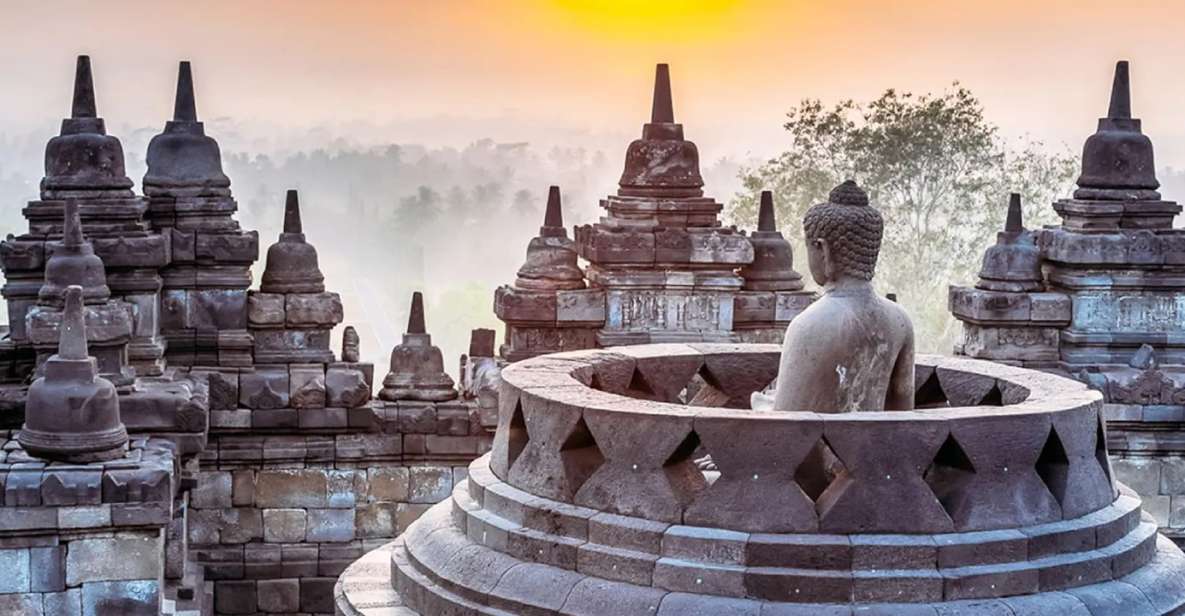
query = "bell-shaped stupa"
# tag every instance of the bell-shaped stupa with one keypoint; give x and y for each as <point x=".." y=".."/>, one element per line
<point x="72" y="414"/>
<point x="551" y="256"/>
<point x="1117" y="161"/>
<point x="291" y="265"/>
<point x="772" y="268"/>
<point x="182" y="160"/>
<point x="662" y="162"/>
<point x="74" y="262"/>
<point x="417" y="367"/>
<point x="109" y="321"/>
<point x="1014" y="262"/>
<point x="84" y="161"/>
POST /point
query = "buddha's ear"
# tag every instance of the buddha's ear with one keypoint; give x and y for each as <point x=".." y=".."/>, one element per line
<point x="829" y="266"/>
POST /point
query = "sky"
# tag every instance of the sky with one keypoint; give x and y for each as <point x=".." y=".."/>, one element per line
<point x="563" y="71"/>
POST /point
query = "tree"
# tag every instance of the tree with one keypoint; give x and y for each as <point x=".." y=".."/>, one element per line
<point x="938" y="171"/>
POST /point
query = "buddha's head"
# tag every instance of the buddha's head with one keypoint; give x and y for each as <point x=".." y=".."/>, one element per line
<point x="843" y="236"/>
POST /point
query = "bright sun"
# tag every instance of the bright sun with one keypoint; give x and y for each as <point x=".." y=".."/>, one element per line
<point x="660" y="19"/>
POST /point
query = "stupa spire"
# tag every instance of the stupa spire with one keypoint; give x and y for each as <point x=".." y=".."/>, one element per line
<point x="72" y="344"/>
<point x="1121" y="98"/>
<point x="1014" y="222"/>
<point x="554" y="216"/>
<point x="184" y="107"/>
<point x="765" y="216"/>
<point x="415" y="321"/>
<point x="663" y="110"/>
<point x="72" y="226"/>
<point x="292" y="213"/>
<point x="83" y="105"/>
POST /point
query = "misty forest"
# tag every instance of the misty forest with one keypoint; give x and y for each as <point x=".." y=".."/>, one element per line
<point x="455" y="222"/>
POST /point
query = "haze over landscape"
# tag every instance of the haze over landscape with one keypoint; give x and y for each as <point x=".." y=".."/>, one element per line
<point x="489" y="103"/>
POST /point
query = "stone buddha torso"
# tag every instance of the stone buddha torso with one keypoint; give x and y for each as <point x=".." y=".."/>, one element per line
<point x="851" y="350"/>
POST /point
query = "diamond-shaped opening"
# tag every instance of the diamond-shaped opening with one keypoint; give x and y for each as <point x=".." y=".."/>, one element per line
<point x="639" y="387"/>
<point x="949" y="473"/>
<point x="518" y="436"/>
<point x="930" y="394"/>
<point x="819" y="469"/>
<point x="703" y="390"/>
<point x="686" y="449"/>
<point x="681" y="468"/>
<point x="994" y="397"/>
<point x="1100" y="450"/>
<point x="580" y="455"/>
<point x="1053" y="466"/>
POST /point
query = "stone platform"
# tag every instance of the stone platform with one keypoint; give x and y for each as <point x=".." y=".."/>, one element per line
<point x="995" y="498"/>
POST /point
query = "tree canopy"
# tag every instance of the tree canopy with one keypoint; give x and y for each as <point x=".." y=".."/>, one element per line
<point x="935" y="167"/>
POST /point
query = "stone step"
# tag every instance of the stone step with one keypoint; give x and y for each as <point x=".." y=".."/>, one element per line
<point x="427" y="577"/>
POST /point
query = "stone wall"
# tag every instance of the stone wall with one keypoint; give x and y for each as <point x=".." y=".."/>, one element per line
<point x="277" y="517"/>
<point x="95" y="539"/>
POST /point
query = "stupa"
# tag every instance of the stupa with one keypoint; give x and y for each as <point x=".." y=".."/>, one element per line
<point x="1097" y="297"/>
<point x="661" y="267"/>
<point x="109" y="322"/>
<point x="72" y="414"/>
<point x="86" y="164"/>
<point x="549" y="309"/>
<point x="772" y="293"/>
<point x="204" y="295"/>
<point x="291" y="315"/>
<point x="417" y="366"/>
<point x="666" y="265"/>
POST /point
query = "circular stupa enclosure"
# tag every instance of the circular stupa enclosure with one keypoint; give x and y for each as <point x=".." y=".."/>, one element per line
<point x="995" y="497"/>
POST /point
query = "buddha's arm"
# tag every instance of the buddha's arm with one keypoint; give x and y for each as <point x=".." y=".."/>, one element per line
<point x="792" y="367"/>
<point x="900" y="394"/>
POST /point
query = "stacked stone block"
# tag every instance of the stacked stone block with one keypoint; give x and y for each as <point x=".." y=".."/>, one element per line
<point x="204" y="295"/>
<point x="277" y="518"/>
<point x="94" y="539"/>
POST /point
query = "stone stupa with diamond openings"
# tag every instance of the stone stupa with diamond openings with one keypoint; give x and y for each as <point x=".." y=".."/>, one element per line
<point x="204" y="295"/>
<point x="72" y="413"/>
<point x="417" y="366"/>
<point x="86" y="165"/>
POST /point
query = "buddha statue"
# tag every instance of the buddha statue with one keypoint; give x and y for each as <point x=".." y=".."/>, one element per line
<point x="851" y="350"/>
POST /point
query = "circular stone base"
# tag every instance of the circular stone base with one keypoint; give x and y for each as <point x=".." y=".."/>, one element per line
<point x="365" y="588"/>
<point x="460" y="558"/>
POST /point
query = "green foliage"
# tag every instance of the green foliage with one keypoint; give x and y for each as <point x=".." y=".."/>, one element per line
<point x="934" y="166"/>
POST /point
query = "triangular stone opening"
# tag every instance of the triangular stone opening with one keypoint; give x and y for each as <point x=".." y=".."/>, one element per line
<point x="639" y="387"/>
<point x="819" y="469"/>
<point x="580" y="455"/>
<point x="1053" y="465"/>
<point x="949" y="473"/>
<point x="1100" y="449"/>
<point x="686" y="449"/>
<point x="703" y="390"/>
<point x="595" y="382"/>
<point x="930" y="394"/>
<point x="994" y="397"/>
<point x="518" y="435"/>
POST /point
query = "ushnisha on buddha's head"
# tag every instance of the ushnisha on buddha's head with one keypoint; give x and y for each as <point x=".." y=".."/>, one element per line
<point x="843" y="237"/>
